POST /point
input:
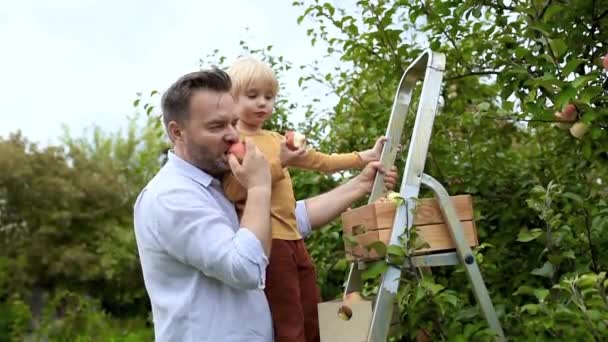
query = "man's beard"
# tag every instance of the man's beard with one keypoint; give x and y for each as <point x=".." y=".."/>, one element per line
<point x="200" y="157"/>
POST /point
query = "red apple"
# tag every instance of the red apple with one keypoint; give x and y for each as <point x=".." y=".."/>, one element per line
<point x="238" y="149"/>
<point x="352" y="297"/>
<point x="295" y="140"/>
<point x="605" y="61"/>
<point x="569" y="113"/>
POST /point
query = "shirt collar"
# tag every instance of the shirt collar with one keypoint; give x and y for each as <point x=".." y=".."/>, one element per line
<point x="189" y="170"/>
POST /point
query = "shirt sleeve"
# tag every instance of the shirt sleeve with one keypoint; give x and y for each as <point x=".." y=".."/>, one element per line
<point x="328" y="163"/>
<point x="197" y="232"/>
<point x="302" y="219"/>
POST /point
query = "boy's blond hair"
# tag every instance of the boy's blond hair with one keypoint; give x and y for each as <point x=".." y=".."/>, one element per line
<point x="246" y="71"/>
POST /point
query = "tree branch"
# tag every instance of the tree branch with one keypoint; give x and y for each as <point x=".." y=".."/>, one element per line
<point x="386" y="39"/>
<point x="495" y="4"/>
<point x="474" y="73"/>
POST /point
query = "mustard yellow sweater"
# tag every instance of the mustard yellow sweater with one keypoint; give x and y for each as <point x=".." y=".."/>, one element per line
<point x="283" y="202"/>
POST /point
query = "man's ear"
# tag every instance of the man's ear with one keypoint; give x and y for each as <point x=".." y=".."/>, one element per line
<point x="175" y="131"/>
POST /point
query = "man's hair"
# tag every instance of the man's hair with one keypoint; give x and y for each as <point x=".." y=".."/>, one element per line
<point x="247" y="70"/>
<point x="175" y="101"/>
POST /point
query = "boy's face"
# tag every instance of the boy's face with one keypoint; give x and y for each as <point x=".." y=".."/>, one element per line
<point x="255" y="104"/>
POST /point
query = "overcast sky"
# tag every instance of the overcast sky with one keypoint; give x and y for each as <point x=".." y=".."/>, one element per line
<point x="81" y="62"/>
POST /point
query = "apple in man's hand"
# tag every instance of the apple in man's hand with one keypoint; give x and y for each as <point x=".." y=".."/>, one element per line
<point x="238" y="149"/>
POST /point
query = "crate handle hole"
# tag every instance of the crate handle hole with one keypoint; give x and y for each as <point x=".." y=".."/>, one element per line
<point x="345" y="313"/>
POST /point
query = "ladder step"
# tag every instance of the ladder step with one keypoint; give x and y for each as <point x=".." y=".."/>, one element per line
<point x="440" y="259"/>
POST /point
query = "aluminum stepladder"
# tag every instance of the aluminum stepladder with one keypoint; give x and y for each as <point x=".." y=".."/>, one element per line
<point x="428" y="67"/>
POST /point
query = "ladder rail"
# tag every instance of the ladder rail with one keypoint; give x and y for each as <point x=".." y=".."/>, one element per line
<point x="401" y="104"/>
<point x="428" y="67"/>
<point x="465" y="254"/>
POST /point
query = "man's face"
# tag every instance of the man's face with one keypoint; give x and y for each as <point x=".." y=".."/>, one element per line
<point x="209" y="131"/>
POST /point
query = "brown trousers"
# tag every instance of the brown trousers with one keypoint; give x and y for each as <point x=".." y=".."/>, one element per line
<point x="291" y="289"/>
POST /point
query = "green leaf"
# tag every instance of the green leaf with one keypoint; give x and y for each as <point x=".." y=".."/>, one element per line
<point x="374" y="270"/>
<point x="559" y="47"/>
<point x="571" y="66"/>
<point x="431" y="286"/>
<point x="541" y="294"/>
<point x="569" y="254"/>
<point x="526" y="236"/>
<point x="545" y="271"/>
<point x="551" y="11"/>
<point x="532" y="309"/>
<point x="395" y="250"/>
<point x="575" y="197"/>
<point x="589" y="93"/>
<point x="136" y="102"/>
<point x="567" y="93"/>
<point x="540" y="27"/>
<point x="587" y="150"/>
<point x="377" y="246"/>
<point x="582" y="80"/>
<point x="524" y="290"/>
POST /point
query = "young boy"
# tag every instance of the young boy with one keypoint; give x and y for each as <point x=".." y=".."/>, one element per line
<point x="291" y="286"/>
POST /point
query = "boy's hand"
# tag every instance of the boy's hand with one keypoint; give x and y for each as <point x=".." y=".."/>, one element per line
<point x="287" y="154"/>
<point x="373" y="153"/>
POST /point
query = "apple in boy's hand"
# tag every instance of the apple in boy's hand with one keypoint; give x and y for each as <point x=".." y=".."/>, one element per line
<point x="295" y="140"/>
<point x="238" y="149"/>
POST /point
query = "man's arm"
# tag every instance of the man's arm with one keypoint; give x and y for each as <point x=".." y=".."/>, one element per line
<point x="196" y="231"/>
<point x="254" y="175"/>
<point x="324" y="208"/>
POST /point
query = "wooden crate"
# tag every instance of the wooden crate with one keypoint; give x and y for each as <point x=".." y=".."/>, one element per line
<point x="373" y="222"/>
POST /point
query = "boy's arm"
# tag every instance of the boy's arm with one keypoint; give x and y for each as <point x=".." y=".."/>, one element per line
<point x="329" y="163"/>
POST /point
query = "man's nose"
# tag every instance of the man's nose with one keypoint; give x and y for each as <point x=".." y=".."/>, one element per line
<point x="232" y="135"/>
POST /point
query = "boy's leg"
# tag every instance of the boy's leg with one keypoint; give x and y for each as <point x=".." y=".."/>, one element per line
<point x="283" y="292"/>
<point x="309" y="292"/>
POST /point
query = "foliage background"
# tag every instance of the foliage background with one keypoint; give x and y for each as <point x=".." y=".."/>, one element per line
<point x="68" y="263"/>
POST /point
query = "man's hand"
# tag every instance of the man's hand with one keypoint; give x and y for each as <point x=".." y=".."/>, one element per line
<point x="324" y="208"/>
<point x="254" y="172"/>
<point x="287" y="155"/>
<point x="365" y="180"/>
<point x="375" y="152"/>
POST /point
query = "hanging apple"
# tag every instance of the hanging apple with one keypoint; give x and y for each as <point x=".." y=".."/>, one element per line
<point x="579" y="129"/>
<point x="569" y="113"/>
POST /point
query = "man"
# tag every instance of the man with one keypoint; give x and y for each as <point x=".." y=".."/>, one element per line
<point x="204" y="270"/>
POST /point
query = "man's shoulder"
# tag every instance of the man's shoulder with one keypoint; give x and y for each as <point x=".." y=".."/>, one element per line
<point x="169" y="183"/>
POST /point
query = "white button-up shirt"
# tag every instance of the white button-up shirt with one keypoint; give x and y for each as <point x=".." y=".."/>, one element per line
<point x="204" y="274"/>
